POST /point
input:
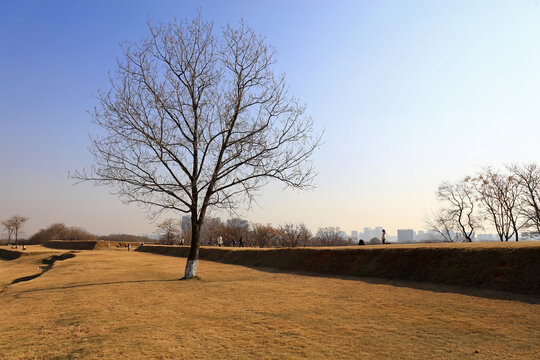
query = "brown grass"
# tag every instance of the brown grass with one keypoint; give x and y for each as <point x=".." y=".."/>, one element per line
<point x="505" y="266"/>
<point x="113" y="304"/>
<point x="86" y="244"/>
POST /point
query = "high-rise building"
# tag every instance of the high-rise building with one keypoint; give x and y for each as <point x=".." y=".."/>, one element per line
<point x="367" y="233"/>
<point x="354" y="234"/>
<point x="433" y="235"/>
<point x="237" y="222"/>
<point x="186" y="222"/>
<point x="405" y="235"/>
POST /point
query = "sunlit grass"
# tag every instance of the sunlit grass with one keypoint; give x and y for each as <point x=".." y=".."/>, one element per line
<point x="114" y="304"/>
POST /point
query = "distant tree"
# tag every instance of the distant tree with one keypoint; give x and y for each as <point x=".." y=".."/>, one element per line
<point x="263" y="236"/>
<point x="125" y="238"/>
<point x="443" y="222"/>
<point x="493" y="208"/>
<point x="13" y="226"/>
<point x="460" y="200"/>
<point x="293" y="235"/>
<point x="60" y="231"/>
<point x="235" y="229"/>
<point x="9" y="229"/>
<point x="211" y="229"/>
<point x="170" y="230"/>
<point x="78" y="233"/>
<point x="194" y="121"/>
<point x="529" y="179"/>
<point x="501" y="198"/>
<point x="329" y="236"/>
<point x="374" y="241"/>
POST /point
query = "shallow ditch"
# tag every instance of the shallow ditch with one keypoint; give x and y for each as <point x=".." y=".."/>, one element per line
<point x="49" y="262"/>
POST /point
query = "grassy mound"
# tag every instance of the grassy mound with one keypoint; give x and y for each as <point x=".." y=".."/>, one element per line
<point x="507" y="268"/>
<point x="85" y="244"/>
<point x="72" y="245"/>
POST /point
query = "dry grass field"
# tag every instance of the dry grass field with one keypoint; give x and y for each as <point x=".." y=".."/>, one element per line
<point x="508" y="266"/>
<point x="111" y="304"/>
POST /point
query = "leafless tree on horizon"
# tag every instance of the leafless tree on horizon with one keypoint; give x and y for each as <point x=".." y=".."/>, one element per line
<point x="294" y="235"/>
<point x="194" y="121"/>
<point x="329" y="236"/>
<point x="529" y="176"/>
<point x="443" y="223"/>
<point x="501" y="197"/>
<point x="169" y="229"/>
<point x="13" y="226"/>
<point x="460" y="198"/>
<point x="9" y="229"/>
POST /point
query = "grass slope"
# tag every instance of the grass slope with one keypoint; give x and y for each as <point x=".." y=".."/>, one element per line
<point x="117" y="305"/>
<point x="513" y="267"/>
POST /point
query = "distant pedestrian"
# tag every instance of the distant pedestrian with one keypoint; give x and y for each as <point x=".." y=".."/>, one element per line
<point x="241" y="242"/>
<point x="129" y="247"/>
<point x="219" y="241"/>
<point x="233" y="242"/>
<point x="383" y="237"/>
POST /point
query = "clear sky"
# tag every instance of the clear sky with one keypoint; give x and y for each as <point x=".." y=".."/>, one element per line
<point x="410" y="93"/>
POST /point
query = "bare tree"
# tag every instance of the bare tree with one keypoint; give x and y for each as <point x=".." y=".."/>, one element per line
<point x="460" y="198"/>
<point x="169" y="229"/>
<point x="329" y="236"/>
<point x="13" y="226"/>
<point x="234" y="230"/>
<point x="9" y="229"/>
<point x="194" y="121"/>
<point x="529" y="178"/>
<point x="60" y="231"/>
<point x="488" y="192"/>
<point x="501" y="198"/>
<point x="293" y="235"/>
<point x="443" y="223"/>
<point x="211" y="229"/>
<point x="263" y="236"/>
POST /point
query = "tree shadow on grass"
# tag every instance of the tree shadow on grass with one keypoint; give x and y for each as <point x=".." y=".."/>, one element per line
<point x="89" y="285"/>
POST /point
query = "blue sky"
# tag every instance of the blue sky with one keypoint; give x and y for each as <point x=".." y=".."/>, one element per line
<point x="410" y="93"/>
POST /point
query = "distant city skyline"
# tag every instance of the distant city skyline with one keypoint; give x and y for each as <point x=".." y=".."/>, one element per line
<point x="409" y="235"/>
<point x="409" y="94"/>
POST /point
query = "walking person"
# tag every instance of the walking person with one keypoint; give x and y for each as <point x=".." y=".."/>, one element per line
<point x="219" y="241"/>
<point x="241" y="242"/>
<point x="383" y="237"/>
<point x="129" y="247"/>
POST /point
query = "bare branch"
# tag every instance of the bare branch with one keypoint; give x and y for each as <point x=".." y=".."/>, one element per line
<point x="194" y="120"/>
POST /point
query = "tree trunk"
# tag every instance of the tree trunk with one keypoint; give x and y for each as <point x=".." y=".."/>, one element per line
<point x="191" y="268"/>
<point x="193" y="257"/>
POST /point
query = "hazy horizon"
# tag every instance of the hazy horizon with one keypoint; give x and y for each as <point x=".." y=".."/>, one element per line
<point x="408" y="94"/>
